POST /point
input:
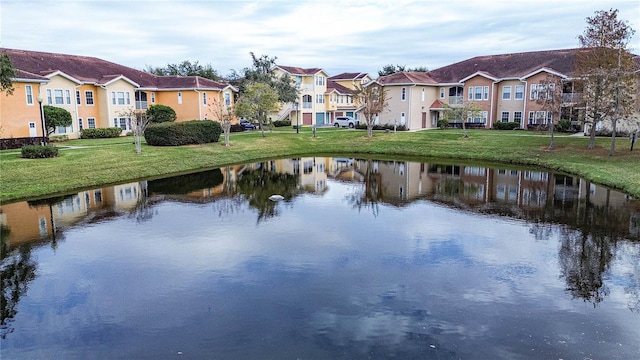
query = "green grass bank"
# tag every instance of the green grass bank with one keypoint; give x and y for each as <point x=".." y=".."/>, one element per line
<point x="92" y="163"/>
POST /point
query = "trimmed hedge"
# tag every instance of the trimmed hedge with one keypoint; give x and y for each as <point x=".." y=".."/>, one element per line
<point x="363" y="126"/>
<point x="183" y="133"/>
<point x="281" y="123"/>
<point x="506" y="125"/>
<point x="39" y="151"/>
<point x="100" y="133"/>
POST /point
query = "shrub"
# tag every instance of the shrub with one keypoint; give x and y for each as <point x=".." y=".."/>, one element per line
<point x="363" y="126"/>
<point x="161" y="113"/>
<point x="443" y="123"/>
<point x="563" y="125"/>
<point x="506" y="125"/>
<point x="281" y="123"/>
<point x="237" y="128"/>
<point x="39" y="151"/>
<point x="58" y="138"/>
<point x="183" y="133"/>
<point x="100" y="133"/>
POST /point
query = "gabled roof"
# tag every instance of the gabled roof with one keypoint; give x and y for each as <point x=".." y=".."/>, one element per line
<point x="408" y="78"/>
<point x="91" y="70"/>
<point x="300" y="71"/>
<point x="480" y="73"/>
<point x="25" y="76"/>
<point x="436" y="105"/>
<point x="334" y="86"/>
<point x="514" y="66"/>
<point x="348" y="76"/>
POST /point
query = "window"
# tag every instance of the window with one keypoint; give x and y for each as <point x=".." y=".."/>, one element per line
<point x="58" y="96"/>
<point x="88" y="97"/>
<point x="423" y="93"/>
<point x="80" y="127"/>
<point x="123" y="123"/>
<point x="179" y="97"/>
<point x="506" y="93"/>
<point x="517" y="117"/>
<point x="227" y="99"/>
<point x="486" y="92"/>
<point x="306" y="101"/>
<point x="204" y="98"/>
<point x="67" y="94"/>
<point x="319" y="98"/>
<point x="441" y="93"/>
<point x="113" y="97"/>
<point x="540" y="91"/>
<point x="91" y="123"/>
<point x="505" y="116"/>
<point x="153" y="98"/>
<point x="128" y="98"/>
<point x="120" y="98"/>
<point x="78" y="99"/>
<point x="319" y="80"/>
<point x="519" y="95"/>
<point x="62" y="130"/>
<point x="29" y="91"/>
<point x="403" y="95"/>
<point x="478" y="93"/>
<point x="470" y="92"/>
<point x="49" y="98"/>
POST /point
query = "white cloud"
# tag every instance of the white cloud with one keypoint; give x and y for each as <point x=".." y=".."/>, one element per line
<point x="335" y="35"/>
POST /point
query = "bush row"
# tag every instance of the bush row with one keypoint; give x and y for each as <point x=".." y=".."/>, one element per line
<point x="281" y="123"/>
<point x="183" y="133"/>
<point x="100" y="133"/>
<point x="39" y="151"/>
<point x="363" y="126"/>
<point x="506" y="125"/>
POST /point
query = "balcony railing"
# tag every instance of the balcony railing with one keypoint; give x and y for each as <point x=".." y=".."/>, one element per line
<point x="142" y="105"/>
<point x="568" y="98"/>
<point x="456" y="100"/>
<point x="306" y="105"/>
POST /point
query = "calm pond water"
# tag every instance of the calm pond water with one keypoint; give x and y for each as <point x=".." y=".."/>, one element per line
<point x="361" y="259"/>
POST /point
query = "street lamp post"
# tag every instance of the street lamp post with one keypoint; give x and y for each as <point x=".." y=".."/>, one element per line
<point x="297" y="117"/>
<point x="44" y="135"/>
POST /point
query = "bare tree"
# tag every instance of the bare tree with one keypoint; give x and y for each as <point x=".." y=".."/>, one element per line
<point x="138" y="120"/>
<point x="224" y="115"/>
<point x="468" y="110"/>
<point x="372" y="98"/>
<point x="604" y="66"/>
<point x="549" y="96"/>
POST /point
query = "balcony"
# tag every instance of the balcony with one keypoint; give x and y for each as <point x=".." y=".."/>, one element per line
<point x="571" y="98"/>
<point x="142" y="105"/>
<point x="306" y="105"/>
<point x="456" y="100"/>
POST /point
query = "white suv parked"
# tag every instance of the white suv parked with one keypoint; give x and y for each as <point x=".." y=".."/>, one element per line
<point x="345" y="121"/>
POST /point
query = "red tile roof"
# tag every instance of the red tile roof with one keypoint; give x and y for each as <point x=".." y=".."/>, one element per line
<point x="299" y="71"/>
<point x="334" y="86"/>
<point x="97" y="71"/>
<point x="348" y="76"/>
<point x="437" y="105"/>
<point x="407" y="77"/>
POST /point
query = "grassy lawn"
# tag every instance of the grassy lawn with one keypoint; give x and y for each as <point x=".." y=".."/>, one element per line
<point x="92" y="163"/>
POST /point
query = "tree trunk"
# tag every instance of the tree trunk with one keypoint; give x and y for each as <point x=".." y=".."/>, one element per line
<point x="552" y="144"/>
<point x="612" y="150"/>
<point x="464" y="129"/>
<point x="592" y="136"/>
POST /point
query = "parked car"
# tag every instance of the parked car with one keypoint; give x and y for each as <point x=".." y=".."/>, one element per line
<point x="345" y="121"/>
<point x="246" y="124"/>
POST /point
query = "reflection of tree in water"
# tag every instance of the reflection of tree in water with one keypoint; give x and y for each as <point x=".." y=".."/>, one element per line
<point x="587" y="248"/>
<point x="17" y="269"/>
<point x="373" y="191"/>
<point x="259" y="184"/>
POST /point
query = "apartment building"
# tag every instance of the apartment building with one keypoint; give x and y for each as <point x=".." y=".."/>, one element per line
<point x="97" y="93"/>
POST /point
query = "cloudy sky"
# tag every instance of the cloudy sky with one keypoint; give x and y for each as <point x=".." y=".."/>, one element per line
<point x="338" y="36"/>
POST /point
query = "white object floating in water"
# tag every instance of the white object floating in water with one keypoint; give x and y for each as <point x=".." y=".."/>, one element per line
<point x="276" y="197"/>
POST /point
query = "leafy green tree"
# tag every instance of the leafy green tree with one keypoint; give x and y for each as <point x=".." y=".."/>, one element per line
<point x="262" y="71"/>
<point x="54" y="117"/>
<point x="186" y="68"/>
<point x="392" y="69"/>
<point x="7" y="73"/>
<point x="256" y="102"/>
<point x="161" y="113"/>
<point x="606" y="69"/>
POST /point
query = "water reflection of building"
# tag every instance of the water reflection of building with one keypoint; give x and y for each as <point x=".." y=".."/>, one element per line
<point x="40" y="220"/>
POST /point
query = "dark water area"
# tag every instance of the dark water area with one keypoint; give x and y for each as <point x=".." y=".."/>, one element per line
<point x="357" y="259"/>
